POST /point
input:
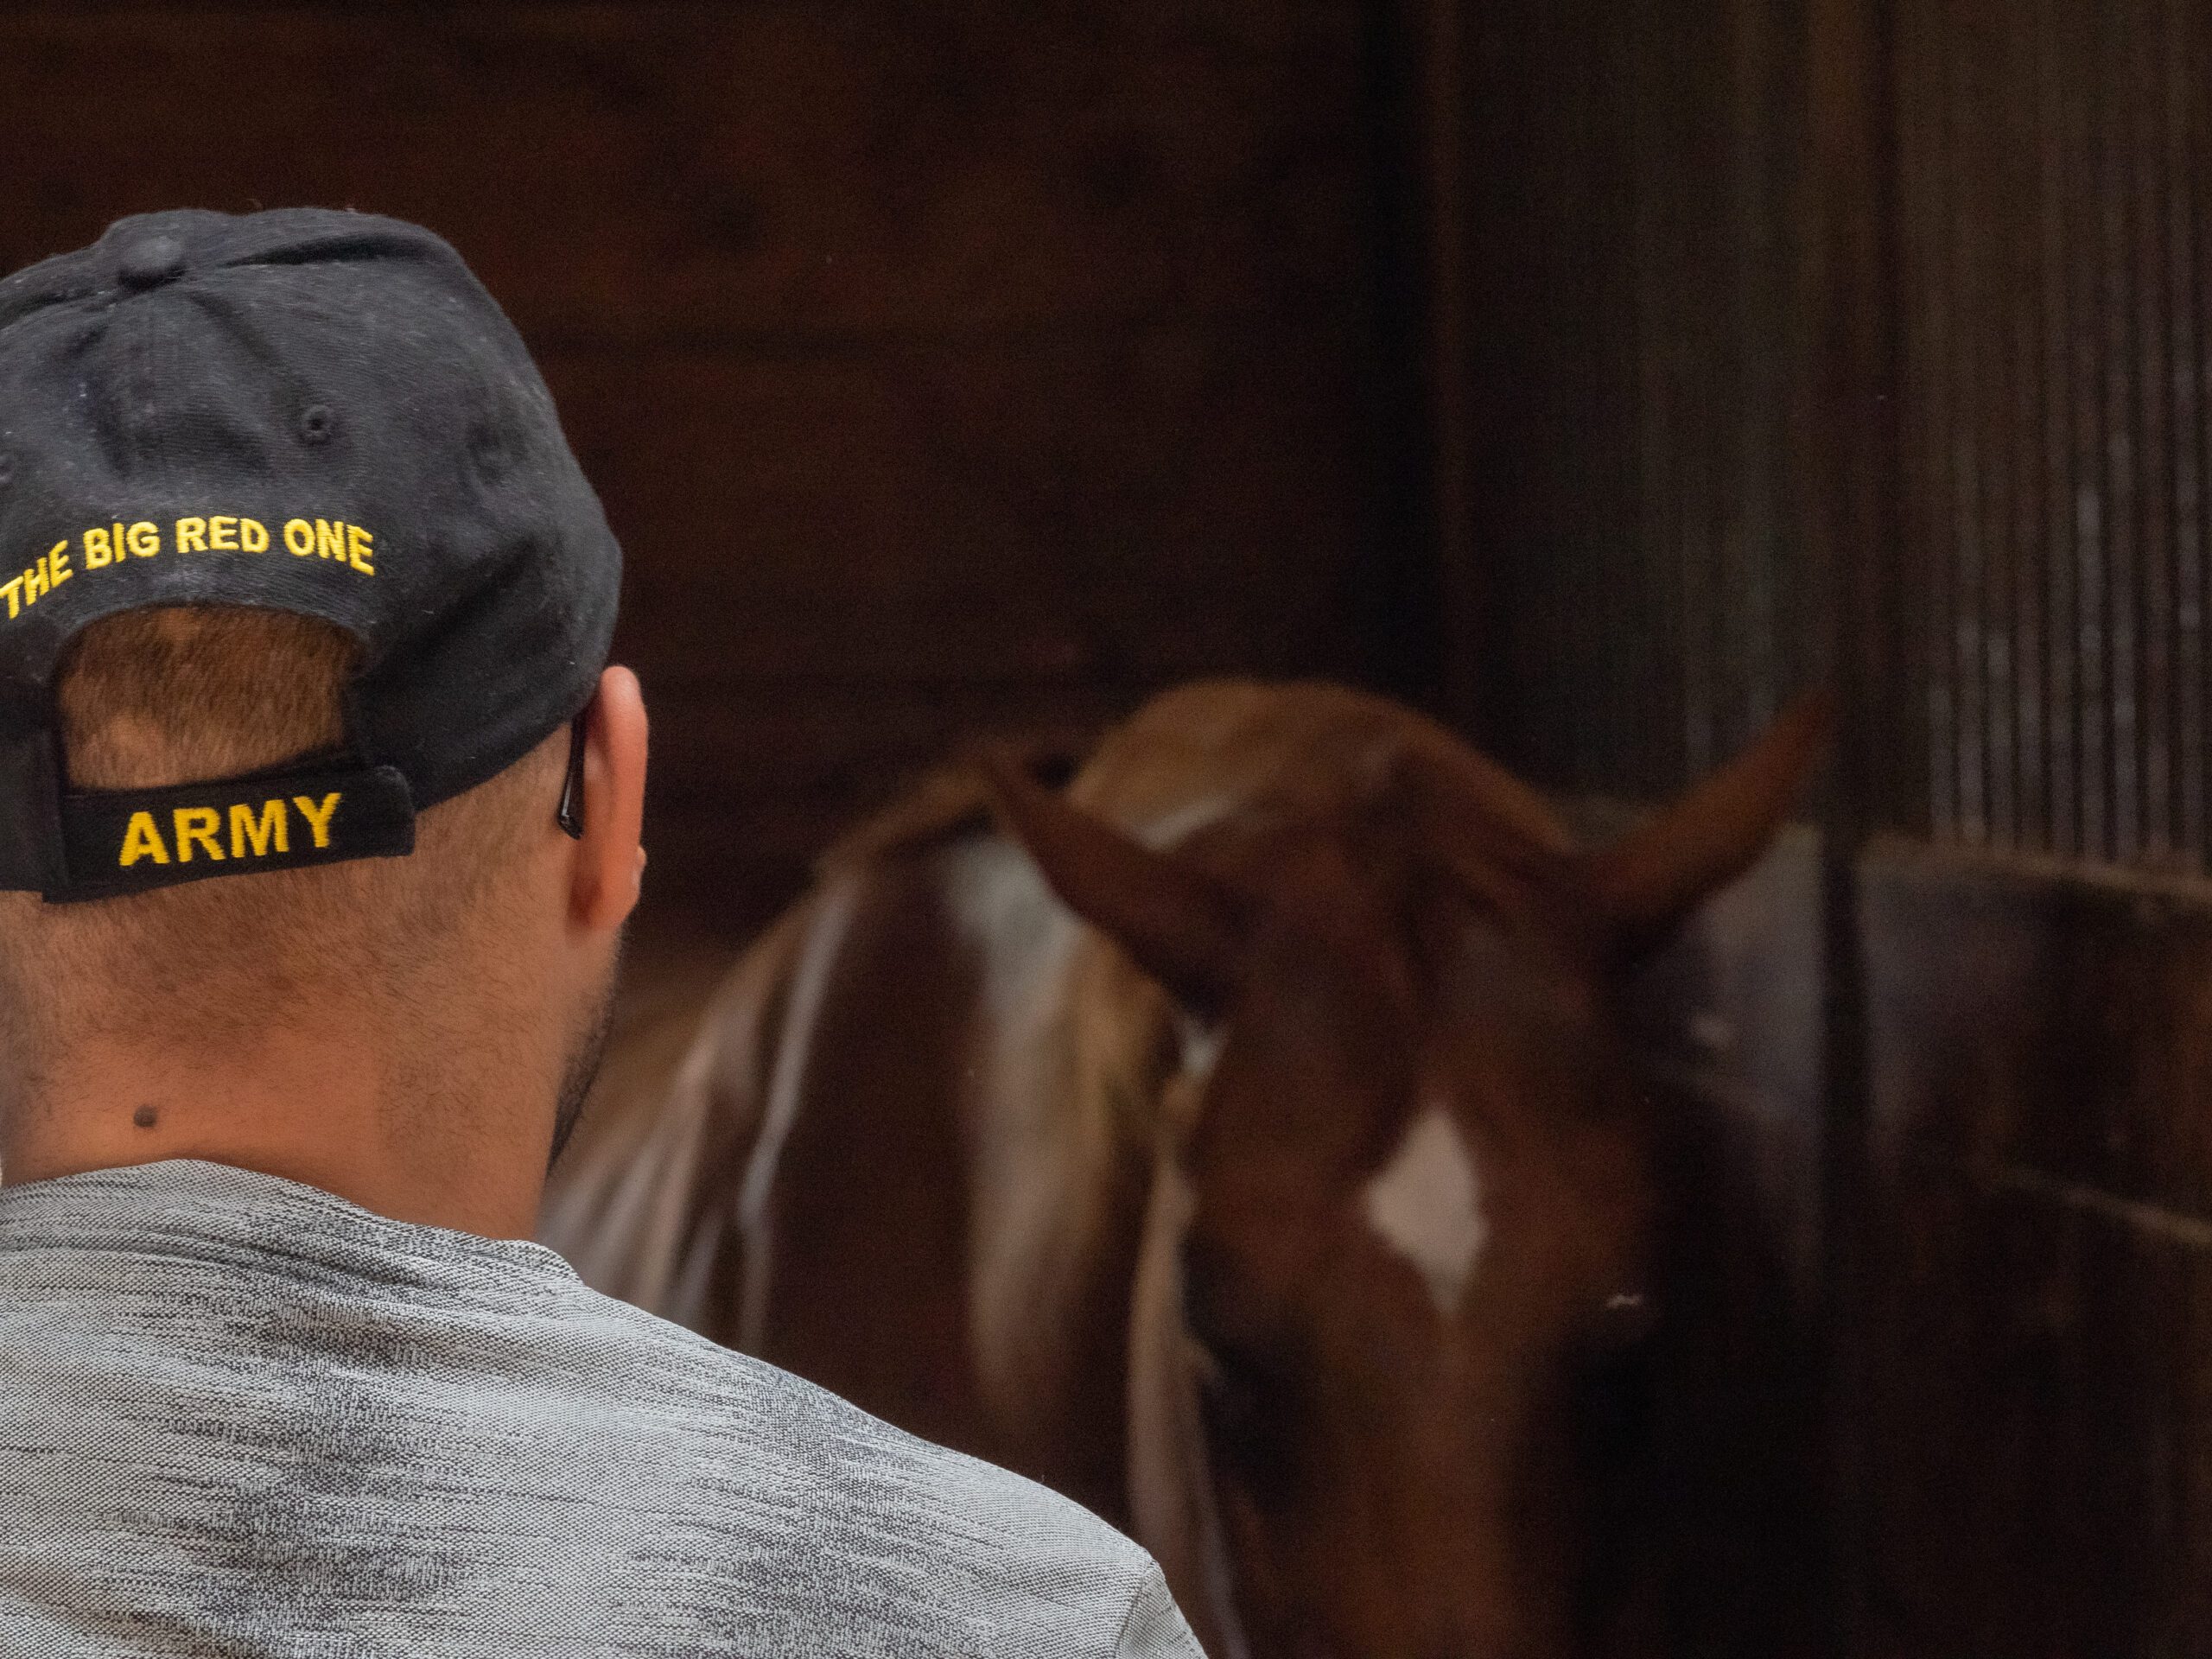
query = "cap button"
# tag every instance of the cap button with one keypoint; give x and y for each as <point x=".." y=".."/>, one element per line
<point x="150" y="263"/>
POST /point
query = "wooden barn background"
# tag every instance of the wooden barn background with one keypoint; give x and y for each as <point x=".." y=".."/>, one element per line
<point x="1593" y="373"/>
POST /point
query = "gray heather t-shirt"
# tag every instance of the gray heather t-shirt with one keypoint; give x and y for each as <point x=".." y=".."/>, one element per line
<point x="239" y="1416"/>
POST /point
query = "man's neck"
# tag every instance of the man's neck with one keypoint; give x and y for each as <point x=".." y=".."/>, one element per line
<point x="333" y="1116"/>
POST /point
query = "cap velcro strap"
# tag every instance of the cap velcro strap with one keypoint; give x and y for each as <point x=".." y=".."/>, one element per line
<point x="133" y="841"/>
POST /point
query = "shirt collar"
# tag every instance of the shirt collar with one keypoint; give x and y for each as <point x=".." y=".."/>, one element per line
<point x="192" y="1210"/>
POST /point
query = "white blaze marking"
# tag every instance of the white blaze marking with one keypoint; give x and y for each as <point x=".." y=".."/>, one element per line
<point x="1427" y="1205"/>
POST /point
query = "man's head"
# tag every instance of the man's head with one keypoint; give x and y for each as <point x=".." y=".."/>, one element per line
<point x="311" y="588"/>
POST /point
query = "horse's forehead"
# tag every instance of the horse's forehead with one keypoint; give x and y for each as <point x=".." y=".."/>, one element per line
<point x="1502" y="991"/>
<point x="1497" y="1029"/>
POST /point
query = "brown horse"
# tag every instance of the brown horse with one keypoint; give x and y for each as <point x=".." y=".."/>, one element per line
<point x="1239" y="1143"/>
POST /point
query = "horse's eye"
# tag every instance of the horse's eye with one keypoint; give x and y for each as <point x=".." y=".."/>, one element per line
<point x="1234" y="1380"/>
<point x="1248" y="1407"/>
<point x="1625" y="1319"/>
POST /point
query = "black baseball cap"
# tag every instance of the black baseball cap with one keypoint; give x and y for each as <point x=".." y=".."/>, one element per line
<point x="303" y="411"/>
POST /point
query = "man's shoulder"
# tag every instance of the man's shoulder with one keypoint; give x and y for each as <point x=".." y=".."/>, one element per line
<point x="955" y="1539"/>
<point x="769" y="1420"/>
<point x="468" y="1408"/>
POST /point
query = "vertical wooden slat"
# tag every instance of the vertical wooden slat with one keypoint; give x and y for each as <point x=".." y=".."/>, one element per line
<point x="2177" y="378"/>
<point x="1852" y="240"/>
<point x="2194" y="165"/>
<point x="1758" y="360"/>
<point x="2085" y="382"/>
<point x="2151" y="410"/>
<point x="2055" y="361"/>
<point x="1927" y="464"/>
<point x="1654" y="454"/>
<point x="1989" y="115"/>
<point x="2182" y="381"/>
<point x="2116" y="453"/>
<point x="1638" y="631"/>
<point x="1954" y="363"/>
<point x="1421" y="588"/>
<point x="1723" y="324"/>
<point x="1686" y="319"/>
<point x="1441" y="124"/>
<point x="2024" y="523"/>
<point x="1570" y="415"/>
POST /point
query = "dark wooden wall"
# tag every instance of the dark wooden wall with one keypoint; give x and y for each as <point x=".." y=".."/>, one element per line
<point x="2038" y="1442"/>
<point x="946" y="369"/>
<point x="1634" y="370"/>
<point x="1868" y="343"/>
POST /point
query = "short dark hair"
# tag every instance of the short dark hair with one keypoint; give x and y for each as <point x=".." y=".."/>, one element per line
<point x="154" y="697"/>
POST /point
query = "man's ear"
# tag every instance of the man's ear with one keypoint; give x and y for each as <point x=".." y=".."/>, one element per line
<point x="1178" y="922"/>
<point x="609" y="858"/>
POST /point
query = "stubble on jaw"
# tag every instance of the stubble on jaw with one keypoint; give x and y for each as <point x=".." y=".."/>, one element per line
<point x="587" y="1052"/>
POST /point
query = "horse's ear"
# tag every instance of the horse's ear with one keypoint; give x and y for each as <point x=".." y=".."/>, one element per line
<point x="1177" y="922"/>
<point x="1647" y="882"/>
